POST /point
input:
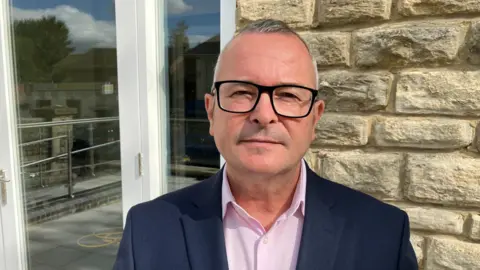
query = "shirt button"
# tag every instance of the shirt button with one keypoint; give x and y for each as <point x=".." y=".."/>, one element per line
<point x="265" y="240"/>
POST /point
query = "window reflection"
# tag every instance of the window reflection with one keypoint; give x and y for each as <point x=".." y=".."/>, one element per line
<point x="193" y="48"/>
<point x="65" y="66"/>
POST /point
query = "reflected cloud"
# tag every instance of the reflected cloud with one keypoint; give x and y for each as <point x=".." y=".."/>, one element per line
<point x="177" y="7"/>
<point x="192" y="7"/>
<point x="194" y="40"/>
<point x="85" y="31"/>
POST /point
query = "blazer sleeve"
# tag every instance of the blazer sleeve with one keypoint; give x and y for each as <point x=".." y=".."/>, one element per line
<point x="125" y="256"/>
<point x="407" y="259"/>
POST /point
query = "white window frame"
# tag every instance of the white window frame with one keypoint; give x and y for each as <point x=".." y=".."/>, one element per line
<point x="227" y="30"/>
<point x="131" y="70"/>
<point x="13" y="245"/>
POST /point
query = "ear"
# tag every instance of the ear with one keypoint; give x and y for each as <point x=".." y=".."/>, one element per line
<point x="209" y="107"/>
<point x="317" y="111"/>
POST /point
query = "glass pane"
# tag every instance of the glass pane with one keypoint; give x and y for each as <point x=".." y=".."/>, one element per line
<point x="66" y="89"/>
<point x="193" y="48"/>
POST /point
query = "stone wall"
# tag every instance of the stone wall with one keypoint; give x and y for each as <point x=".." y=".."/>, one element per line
<point x="402" y="85"/>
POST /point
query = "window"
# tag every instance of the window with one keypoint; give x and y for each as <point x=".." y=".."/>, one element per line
<point x="193" y="48"/>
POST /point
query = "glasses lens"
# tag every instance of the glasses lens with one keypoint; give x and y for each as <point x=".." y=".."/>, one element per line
<point x="292" y="101"/>
<point x="237" y="97"/>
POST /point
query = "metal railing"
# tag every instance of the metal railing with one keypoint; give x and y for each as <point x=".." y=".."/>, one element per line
<point x="69" y="153"/>
<point x="69" y="122"/>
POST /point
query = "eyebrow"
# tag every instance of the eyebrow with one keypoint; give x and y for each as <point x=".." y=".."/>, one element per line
<point x="276" y="84"/>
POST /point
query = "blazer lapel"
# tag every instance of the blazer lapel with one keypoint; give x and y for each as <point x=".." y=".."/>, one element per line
<point x="321" y="229"/>
<point x="203" y="228"/>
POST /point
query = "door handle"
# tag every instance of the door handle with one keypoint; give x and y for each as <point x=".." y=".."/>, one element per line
<point x="3" y="186"/>
<point x="3" y="177"/>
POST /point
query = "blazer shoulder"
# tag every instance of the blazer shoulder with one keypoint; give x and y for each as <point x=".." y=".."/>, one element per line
<point x="359" y="203"/>
<point x="175" y="202"/>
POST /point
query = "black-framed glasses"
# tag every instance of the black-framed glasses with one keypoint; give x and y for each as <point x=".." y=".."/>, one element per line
<point x="287" y="100"/>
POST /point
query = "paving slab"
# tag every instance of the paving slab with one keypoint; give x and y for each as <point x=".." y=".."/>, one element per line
<point x="86" y="240"/>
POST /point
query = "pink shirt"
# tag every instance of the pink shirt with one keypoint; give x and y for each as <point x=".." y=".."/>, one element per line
<point x="249" y="246"/>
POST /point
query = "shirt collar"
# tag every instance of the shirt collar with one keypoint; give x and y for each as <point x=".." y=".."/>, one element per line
<point x="298" y="200"/>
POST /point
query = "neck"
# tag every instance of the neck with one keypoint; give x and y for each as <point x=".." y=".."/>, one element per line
<point x="264" y="197"/>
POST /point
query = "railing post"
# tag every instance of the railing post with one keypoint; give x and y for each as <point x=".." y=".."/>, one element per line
<point x="69" y="158"/>
<point x="40" y="150"/>
<point x="91" y="152"/>
<point x="40" y="166"/>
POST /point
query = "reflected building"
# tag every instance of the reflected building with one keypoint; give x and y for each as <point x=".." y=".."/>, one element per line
<point x="191" y="76"/>
<point x="83" y="90"/>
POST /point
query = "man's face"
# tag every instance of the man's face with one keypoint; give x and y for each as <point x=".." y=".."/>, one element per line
<point x="262" y="141"/>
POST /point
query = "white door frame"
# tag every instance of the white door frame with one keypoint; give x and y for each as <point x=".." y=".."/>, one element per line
<point x="227" y="29"/>
<point x="131" y="75"/>
<point x="13" y="246"/>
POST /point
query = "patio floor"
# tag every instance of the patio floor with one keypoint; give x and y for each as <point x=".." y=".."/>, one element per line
<point x="87" y="240"/>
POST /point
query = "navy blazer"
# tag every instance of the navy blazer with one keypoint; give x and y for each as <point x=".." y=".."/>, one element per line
<point x="343" y="230"/>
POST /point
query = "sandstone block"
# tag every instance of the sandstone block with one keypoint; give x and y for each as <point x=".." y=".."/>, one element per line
<point x="473" y="44"/>
<point x="435" y="220"/>
<point x="444" y="178"/>
<point x="474" y="226"/>
<point x="418" y="243"/>
<point x="348" y="11"/>
<point x="333" y="129"/>
<point x="477" y="138"/>
<point x="329" y="49"/>
<point x="475" y="146"/>
<point x="375" y="173"/>
<point x="350" y="91"/>
<point x="311" y="157"/>
<point x="423" y="133"/>
<point x="439" y="92"/>
<point x="437" y="7"/>
<point x="297" y="13"/>
<point x="408" y="44"/>
<point x="446" y="253"/>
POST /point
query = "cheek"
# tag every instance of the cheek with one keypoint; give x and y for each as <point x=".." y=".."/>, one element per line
<point x="225" y="128"/>
<point x="300" y="133"/>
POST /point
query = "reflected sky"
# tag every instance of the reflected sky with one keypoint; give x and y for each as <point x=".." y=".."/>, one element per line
<point x="91" y="22"/>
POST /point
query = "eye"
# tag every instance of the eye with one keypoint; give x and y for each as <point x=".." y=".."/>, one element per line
<point x="293" y="94"/>
<point x="241" y="92"/>
<point x="238" y="90"/>
<point x="287" y="95"/>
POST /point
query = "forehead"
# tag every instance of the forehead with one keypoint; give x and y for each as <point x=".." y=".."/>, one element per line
<point x="267" y="58"/>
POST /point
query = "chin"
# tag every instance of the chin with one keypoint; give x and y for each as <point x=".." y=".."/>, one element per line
<point x="262" y="163"/>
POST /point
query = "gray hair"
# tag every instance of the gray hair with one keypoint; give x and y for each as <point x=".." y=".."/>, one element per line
<point x="271" y="26"/>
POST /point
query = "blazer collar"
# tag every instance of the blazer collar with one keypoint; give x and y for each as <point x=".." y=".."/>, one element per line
<point x="203" y="227"/>
<point x="322" y="229"/>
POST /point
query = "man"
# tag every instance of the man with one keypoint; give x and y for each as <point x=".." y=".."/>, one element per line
<point x="265" y="209"/>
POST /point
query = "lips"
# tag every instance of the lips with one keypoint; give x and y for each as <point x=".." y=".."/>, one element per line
<point x="269" y="141"/>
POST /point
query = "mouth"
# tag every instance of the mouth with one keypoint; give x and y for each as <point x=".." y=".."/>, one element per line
<point x="260" y="141"/>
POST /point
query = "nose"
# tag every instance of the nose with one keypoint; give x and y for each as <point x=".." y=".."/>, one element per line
<point x="263" y="113"/>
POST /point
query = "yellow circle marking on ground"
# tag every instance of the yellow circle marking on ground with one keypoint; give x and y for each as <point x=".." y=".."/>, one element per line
<point x="102" y="238"/>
